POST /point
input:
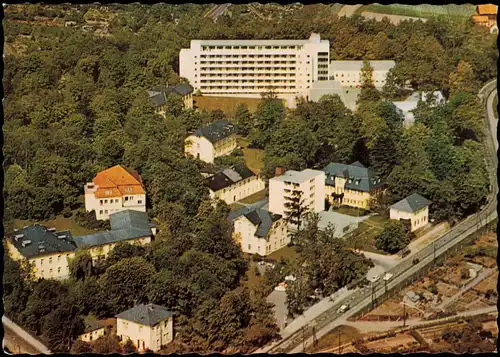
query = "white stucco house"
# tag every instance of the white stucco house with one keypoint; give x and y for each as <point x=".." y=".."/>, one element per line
<point x="211" y="141"/>
<point x="348" y="73"/>
<point x="257" y="230"/>
<point x="414" y="208"/>
<point x="147" y="326"/>
<point x="114" y="190"/>
<point x="234" y="184"/>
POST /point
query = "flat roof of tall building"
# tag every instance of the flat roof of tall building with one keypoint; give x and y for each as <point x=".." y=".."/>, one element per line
<point x="298" y="176"/>
<point x="314" y="38"/>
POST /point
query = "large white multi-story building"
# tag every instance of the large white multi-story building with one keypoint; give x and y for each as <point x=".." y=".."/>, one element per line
<point x="308" y="185"/>
<point x="248" y="68"/>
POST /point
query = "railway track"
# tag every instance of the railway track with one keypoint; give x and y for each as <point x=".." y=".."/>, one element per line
<point x="361" y="298"/>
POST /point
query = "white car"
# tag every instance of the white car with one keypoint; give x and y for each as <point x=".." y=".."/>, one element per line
<point x="343" y="308"/>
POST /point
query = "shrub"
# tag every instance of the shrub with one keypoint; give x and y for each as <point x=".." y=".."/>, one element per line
<point x="464" y="273"/>
<point x="433" y="289"/>
<point x="88" y="220"/>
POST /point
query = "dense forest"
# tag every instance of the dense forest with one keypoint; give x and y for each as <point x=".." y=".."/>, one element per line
<point x="76" y="103"/>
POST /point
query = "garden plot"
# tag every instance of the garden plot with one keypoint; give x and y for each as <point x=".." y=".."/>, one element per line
<point x="469" y="300"/>
<point x="487" y="285"/>
<point x="400" y="342"/>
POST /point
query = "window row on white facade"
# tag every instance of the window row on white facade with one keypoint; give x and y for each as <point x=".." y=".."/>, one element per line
<point x="241" y="56"/>
<point x="251" y="48"/>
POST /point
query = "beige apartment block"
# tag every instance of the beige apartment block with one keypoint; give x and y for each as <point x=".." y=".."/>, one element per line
<point x="414" y="208"/>
<point x="114" y="190"/>
<point x="348" y="73"/>
<point x="259" y="231"/>
<point x="351" y="185"/>
<point x="234" y="184"/>
<point x="248" y="68"/>
<point x="309" y="184"/>
<point x="48" y="251"/>
<point x="147" y="326"/>
<point x="158" y="96"/>
<point x="211" y="141"/>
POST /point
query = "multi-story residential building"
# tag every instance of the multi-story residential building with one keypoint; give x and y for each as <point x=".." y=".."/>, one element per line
<point x="158" y="96"/>
<point x="48" y="251"/>
<point x="234" y="184"/>
<point x="126" y="226"/>
<point x="147" y="326"/>
<point x="351" y="185"/>
<point x="93" y="329"/>
<point x="114" y="190"/>
<point x="486" y="15"/>
<point x="248" y="68"/>
<point x="257" y="230"/>
<point x="414" y="209"/>
<point x="348" y="73"/>
<point x="211" y="141"/>
<point x="308" y="186"/>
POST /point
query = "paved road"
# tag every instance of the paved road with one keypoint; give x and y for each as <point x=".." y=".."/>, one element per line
<point x="348" y="10"/>
<point x="23" y="338"/>
<point x="492" y="119"/>
<point x="382" y="263"/>
<point x="360" y="299"/>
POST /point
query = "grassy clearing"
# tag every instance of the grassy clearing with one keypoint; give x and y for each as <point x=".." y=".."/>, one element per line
<point x="259" y="196"/>
<point x="285" y="252"/>
<point x="254" y="158"/>
<point x="423" y="10"/>
<point x="364" y="236"/>
<point x="60" y="223"/>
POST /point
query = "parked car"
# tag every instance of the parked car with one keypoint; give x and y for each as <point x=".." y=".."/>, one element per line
<point x="405" y="253"/>
<point x="416" y="260"/>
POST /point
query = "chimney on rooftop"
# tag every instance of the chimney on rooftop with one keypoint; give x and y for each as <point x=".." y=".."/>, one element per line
<point x="279" y="171"/>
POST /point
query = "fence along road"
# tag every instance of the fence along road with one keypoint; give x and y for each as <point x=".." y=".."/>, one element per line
<point x="361" y="298"/>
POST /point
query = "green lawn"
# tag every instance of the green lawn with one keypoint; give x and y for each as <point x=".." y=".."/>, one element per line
<point x="60" y="223"/>
<point x="254" y="158"/>
<point x="285" y="252"/>
<point x="423" y="10"/>
<point x="364" y="236"/>
<point x="351" y="211"/>
<point x="259" y="196"/>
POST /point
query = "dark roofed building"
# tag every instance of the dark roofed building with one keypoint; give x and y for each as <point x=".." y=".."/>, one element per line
<point x="211" y="141"/>
<point x="352" y="185"/>
<point x="158" y="95"/>
<point x="234" y="184"/>
<point x="216" y="131"/>
<point x="45" y="248"/>
<point x="128" y="225"/>
<point x="147" y="326"/>
<point x="262" y="232"/>
<point x="228" y="177"/>
<point x="37" y="240"/>
<point x="93" y="329"/>
<point x="412" y="203"/>
<point x="414" y="208"/>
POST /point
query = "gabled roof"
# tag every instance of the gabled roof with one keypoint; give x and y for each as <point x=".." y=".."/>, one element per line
<point x="158" y="94"/>
<point x="92" y="324"/>
<point x="362" y="178"/>
<point x="228" y="177"/>
<point x="39" y="241"/>
<point x="258" y="216"/>
<point x="216" y="131"/>
<point x="411" y="203"/>
<point x="148" y="315"/>
<point x="117" y="181"/>
<point x="125" y="225"/>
